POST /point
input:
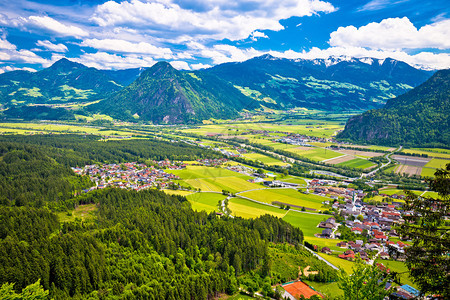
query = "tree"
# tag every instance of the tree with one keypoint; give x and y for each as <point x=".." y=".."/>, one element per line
<point x="366" y="283"/>
<point x="31" y="292"/>
<point x="427" y="258"/>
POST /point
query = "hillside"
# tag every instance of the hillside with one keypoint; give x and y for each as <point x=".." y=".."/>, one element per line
<point x="418" y="117"/>
<point x="163" y="94"/>
<point x="339" y="83"/>
<point x="64" y="81"/>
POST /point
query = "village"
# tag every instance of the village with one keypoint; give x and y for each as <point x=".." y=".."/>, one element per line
<point x="131" y="175"/>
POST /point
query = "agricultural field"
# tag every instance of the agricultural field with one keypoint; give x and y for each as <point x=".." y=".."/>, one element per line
<point x="364" y="154"/>
<point x="306" y="222"/>
<point x="248" y="209"/>
<point x="178" y="192"/>
<point x="358" y="163"/>
<point x="317" y="154"/>
<point x="57" y="128"/>
<point x="293" y="179"/>
<point x="286" y="196"/>
<point x="437" y="153"/>
<point x="346" y="265"/>
<point x="264" y="159"/>
<point x="205" y="201"/>
<point x="437" y="163"/>
<point x="397" y="192"/>
<point x="327" y="289"/>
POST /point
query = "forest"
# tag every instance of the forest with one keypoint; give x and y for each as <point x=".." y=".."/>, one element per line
<point x="145" y="245"/>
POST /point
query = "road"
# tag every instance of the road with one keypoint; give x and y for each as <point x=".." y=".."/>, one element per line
<point x="387" y="155"/>
<point x="321" y="258"/>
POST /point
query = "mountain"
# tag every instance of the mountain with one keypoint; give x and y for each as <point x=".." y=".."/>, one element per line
<point x="336" y="83"/>
<point x="124" y="77"/>
<point x="163" y="94"/>
<point x="64" y="81"/>
<point x="418" y="117"/>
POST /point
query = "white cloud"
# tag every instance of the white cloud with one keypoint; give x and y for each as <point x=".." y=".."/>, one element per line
<point x="12" y="68"/>
<point x="180" y="65"/>
<point x="9" y="52"/>
<point x="103" y="60"/>
<point x="393" y="34"/>
<point x="55" y="26"/>
<point x="227" y="53"/>
<point x="258" y="34"/>
<point x="122" y="46"/>
<point x="216" y="20"/>
<point x="379" y="4"/>
<point x="200" y="66"/>
<point x="52" y="47"/>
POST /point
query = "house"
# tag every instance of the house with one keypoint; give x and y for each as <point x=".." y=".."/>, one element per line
<point x="327" y="233"/>
<point x="357" y="230"/>
<point x="326" y="225"/>
<point x="326" y="250"/>
<point x="383" y="255"/>
<point x="348" y="255"/>
<point x="342" y="245"/>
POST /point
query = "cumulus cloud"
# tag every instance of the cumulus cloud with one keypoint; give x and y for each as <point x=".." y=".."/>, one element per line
<point x="258" y="34"/>
<point x="180" y="65"/>
<point x="52" y="47"/>
<point x="9" y="52"/>
<point x="227" y="53"/>
<point x="12" y="68"/>
<point x="393" y="34"/>
<point x="122" y="46"/>
<point x="200" y="66"/>
<point x="55" y="26"/>
<point x="206" y="19"/>
<point x="103" y="60"/>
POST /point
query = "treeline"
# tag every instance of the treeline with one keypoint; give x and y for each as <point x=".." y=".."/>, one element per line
<point x="145" y="245"/>
<point x="73" y="150"/>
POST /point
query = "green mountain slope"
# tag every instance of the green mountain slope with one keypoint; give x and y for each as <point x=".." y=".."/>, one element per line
<point x="163" y="94"/>
<point x="420" y="117"/>
<point x="340" y="83"/>
<point x="64" y="81"/>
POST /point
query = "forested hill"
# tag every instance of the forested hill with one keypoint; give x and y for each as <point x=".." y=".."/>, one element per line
<point x="65" y="81"/>
<point x="418" y="117"/>
<point x="163" y="94"/>
<point x="137" y="245"/>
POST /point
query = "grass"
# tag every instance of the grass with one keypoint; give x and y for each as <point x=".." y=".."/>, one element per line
<point x="441" y="153"/>
<point x="84" y="212"/>
<point x="288" y="196"/>
<point x="339" y="262"/>
<point x="238" y="296"/>
<point x="400" y="267"/>
<point x="177" y="192"/>
<point x="264" y="159"/>
<point x="437" y="163"/>
<point x="293" y="179"/>
<point x="427" y="172"/>
<point x="357" y="163"/>
<point x="249" y="209"/>
<point x="397" y="191"/>
<point x="196" y="172"/>
<point x="317" y="154"/>
<point x="306" y="222"/>
<point x="328" y="289"/>
<point x="205" y="201"/>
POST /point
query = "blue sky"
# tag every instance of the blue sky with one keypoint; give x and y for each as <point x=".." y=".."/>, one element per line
<point x="193" y="34"/>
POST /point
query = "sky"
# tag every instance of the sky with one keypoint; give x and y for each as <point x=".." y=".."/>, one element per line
<point x="195" y="34"/>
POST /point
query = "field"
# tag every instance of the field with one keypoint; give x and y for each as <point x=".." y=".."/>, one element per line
<point x="400" y="267"/>
<point x="439" y="153"/>
<point x="357" y="163"/>
<point x="411" y="160"/>
<point x="410" y="170"/>
<point x="340" y="159"/>
<point x="205" y="201"/>
<point x="361" y="153"/>
<point x="318" y="154"/>
<point x="306" y="222"/>
<point x="287" y="196"/>
<point x="339" y="262"/>
<point x="299" y="289"/>
<point x="84" y="212"/>
<point x="177" y="192"/>
<point x="264" y="159"/>
<point x="328" y="289"/>
<point x="437" y="163"/>
<point x="249" y="209"/>
<point x="27" y="128"/>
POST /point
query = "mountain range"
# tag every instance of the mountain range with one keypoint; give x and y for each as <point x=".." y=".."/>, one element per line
<point x="161" y="94"/>
<point x="420" y="117"/>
